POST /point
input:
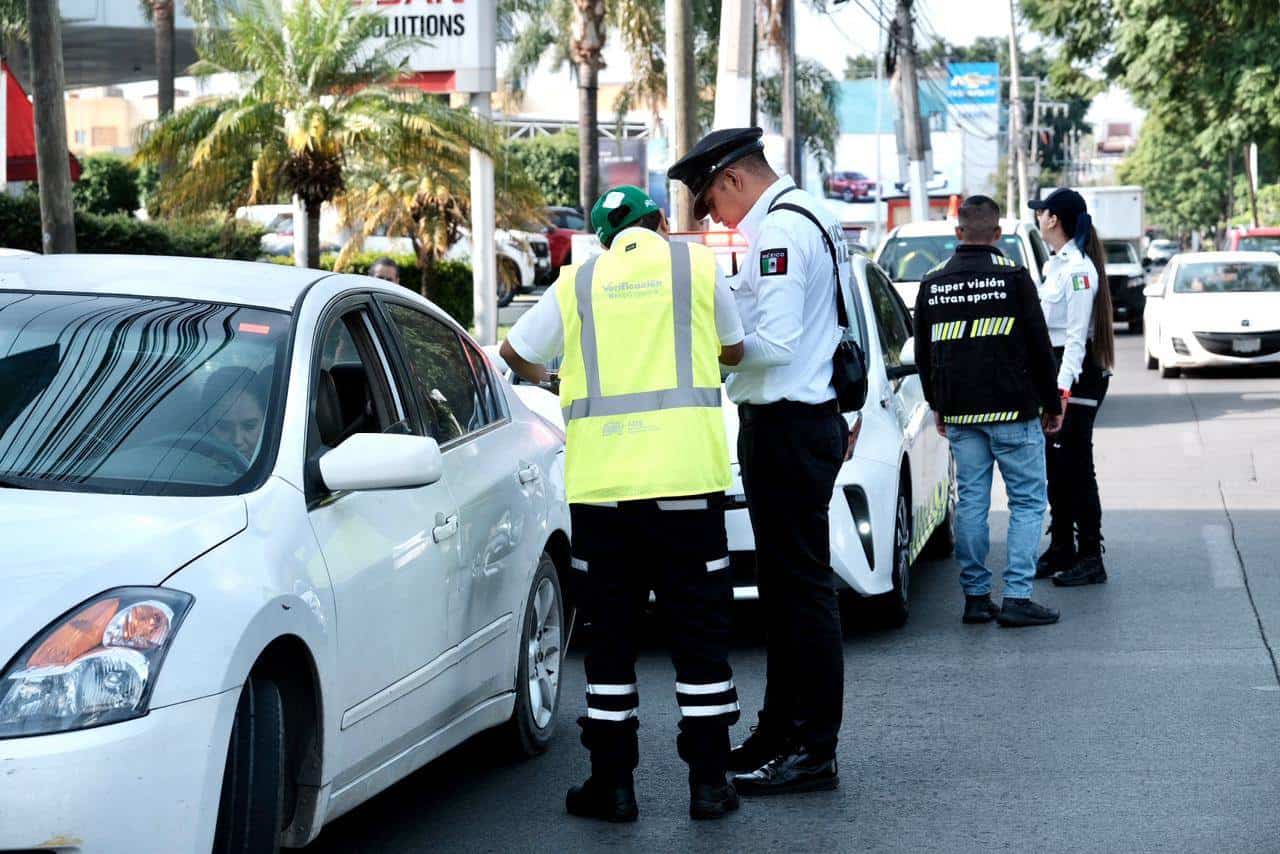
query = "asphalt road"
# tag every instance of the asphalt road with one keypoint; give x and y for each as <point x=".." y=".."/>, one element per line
<point x="1147" y="720"/>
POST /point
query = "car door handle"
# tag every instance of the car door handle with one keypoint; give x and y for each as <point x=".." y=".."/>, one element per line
<point x="529" y="474"/>
<point x="445" y="527"/>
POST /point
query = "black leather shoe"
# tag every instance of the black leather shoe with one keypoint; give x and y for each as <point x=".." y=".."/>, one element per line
<point x="708" y="800"/>
<point x="797" y="771"/>
<point x="607" y="803"/>
<point x="1016" y="613"/>
<point x="759" y="748"/>
<point x="1088" y="570"/>
<point x="1057" y="558"/>
<point x="979" y="609"/>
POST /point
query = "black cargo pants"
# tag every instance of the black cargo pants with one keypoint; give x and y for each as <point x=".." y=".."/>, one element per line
<point x="676" y="548"/>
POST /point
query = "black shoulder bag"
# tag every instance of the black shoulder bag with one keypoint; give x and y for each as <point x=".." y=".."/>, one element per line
<point x="848" y="364"/>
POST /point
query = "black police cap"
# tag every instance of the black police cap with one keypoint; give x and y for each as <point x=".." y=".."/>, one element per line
<point x="713" y="152"/>
<point x="1064" y="203"/>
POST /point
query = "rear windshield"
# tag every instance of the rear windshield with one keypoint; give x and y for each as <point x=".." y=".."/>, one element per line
<point x="908" y="259"/>
<point x="1220" y="278"/>
<point x="1120" y="253"/>
<point x="137" y="396"/>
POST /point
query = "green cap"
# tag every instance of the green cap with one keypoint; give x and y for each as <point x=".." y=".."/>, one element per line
<point x="619" y="208"/>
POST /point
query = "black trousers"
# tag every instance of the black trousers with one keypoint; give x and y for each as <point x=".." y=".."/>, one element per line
<point x="1075" y="508"/>
<point x="676" y="548"/>
<point x="790" y="454"/>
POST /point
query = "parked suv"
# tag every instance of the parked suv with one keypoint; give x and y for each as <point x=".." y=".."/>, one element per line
<point x="849" y="186"/>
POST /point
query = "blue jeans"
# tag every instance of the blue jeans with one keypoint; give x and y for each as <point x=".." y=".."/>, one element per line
<point x="1018" y="447"/>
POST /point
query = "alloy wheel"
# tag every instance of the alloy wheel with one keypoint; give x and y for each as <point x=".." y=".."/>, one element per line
<point x="545" y="653"/>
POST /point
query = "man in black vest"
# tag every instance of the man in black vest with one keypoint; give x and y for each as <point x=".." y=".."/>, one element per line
<point x="988" y="373"/>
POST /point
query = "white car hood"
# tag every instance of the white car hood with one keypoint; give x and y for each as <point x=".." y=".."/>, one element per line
<point x="1224" y="312"/>
<point x="61" y="548"/>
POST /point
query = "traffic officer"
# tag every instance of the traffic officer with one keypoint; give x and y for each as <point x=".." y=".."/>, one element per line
<point x="791" y="443"/>
<point x="642" y="328"/>
<point x="989" y="375"/>
<point x="1077" y="308"/>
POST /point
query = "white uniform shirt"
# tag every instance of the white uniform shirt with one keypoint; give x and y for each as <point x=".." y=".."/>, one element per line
<point x="538" y="335"/>
<point x="786" y="296"/>
<point x="1067" y="289"/>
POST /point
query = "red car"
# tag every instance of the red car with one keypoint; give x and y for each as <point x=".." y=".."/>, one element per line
<point x="848" y="186"/>
<point x="1255" y="240"/>
<point x="565" y="222"/>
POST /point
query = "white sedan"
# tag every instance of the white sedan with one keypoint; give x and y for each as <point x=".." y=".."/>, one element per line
<point x="1213" y="309"/>
<point x="274" y="539"/>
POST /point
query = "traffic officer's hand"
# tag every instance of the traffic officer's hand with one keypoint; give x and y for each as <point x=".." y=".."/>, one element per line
<point x="1051" y="423"/>
<point x="939" y="424"/>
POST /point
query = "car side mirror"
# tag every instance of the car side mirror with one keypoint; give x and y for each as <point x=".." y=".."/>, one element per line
<point x="381" y="461"/>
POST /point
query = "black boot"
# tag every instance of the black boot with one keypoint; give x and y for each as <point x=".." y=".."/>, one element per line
<point x="711" y="799"/>
<point x="1087" y="570"/>
<point x="797" y="771"/>
<point x="607" y="802"/>
<point x="1059" y="557"/>
<point x="1016" y="613"/>
<point x="761" y="746"/>
<point x="979" y="609"/>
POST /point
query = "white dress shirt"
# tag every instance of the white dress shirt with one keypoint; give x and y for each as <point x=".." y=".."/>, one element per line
<point x="786" y="296"/>
<point x="538" y="336"/>
<point x="1067" y="289"/>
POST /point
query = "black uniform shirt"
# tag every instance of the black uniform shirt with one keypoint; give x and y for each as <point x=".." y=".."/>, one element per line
<point x="981" y="344"/>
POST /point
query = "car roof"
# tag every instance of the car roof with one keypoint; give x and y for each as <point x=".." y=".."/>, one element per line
<point x="935" y="227"/>
<point x="249" y="283"/>
<point x="1228" y="257"/>
<point x="1260" y="231"/>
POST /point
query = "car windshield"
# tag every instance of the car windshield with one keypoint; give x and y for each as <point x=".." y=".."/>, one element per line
<point x="1216" y="277"/>
<point x="908" y="258"/>
<point x="1259" y="243"/>
<point x="138" y="396"/>
<point x="1120" y="253"/>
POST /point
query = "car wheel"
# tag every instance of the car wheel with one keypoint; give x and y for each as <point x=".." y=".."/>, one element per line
<point x="1168" y="373"/>
<point x="1152" y="364"/>
<point x="508" y="281"/>
<point x="847" y="195"/>
<point x="251" y="808"/>
<point x="542" y="644"/>
<point x="1135" y="326"/>
<point x="942" y="542"/>
<point x="894" y="607"/>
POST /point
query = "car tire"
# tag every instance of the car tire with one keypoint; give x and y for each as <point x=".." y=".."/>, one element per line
<point x="1169" y="373"/>
<point x="942" y="542"/>
<point x="1152" y="364"/>
<point x="543" y="638"/>
<point x="251" y="807"/>
<point x="847" y="195"/>
<point x="892" y="608"/>
<point x="508" y="281"/>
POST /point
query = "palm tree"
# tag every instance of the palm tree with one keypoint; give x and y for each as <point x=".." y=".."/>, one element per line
<point x="315" y="101"/>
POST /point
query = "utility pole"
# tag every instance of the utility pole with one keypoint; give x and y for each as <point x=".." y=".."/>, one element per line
<point x="1035" y="134"/>
<point x="790" y="128"/>
<point x="1015" y="112"/>
<point x="735" y="70"/>
<point x="57" y="225"/>
<point x="909" y="89"/>
<point x="1011" y="160"/>
<point x="680" y="100"/>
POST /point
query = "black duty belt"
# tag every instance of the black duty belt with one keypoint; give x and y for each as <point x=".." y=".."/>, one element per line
<point x="787" y="409"/>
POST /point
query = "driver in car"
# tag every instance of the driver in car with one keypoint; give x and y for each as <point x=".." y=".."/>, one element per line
<point x="236" y="400"/>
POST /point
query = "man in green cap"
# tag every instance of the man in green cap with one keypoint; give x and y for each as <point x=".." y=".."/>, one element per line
<point x="643" y="329"/>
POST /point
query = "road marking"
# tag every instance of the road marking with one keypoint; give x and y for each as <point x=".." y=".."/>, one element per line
<point x="1266" y="687"/>
<point x="1223" y="566"/>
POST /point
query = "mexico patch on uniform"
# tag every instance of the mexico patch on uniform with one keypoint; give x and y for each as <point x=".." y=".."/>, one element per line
<point x="1079" y="281"/>
<point x="773" y="262"/>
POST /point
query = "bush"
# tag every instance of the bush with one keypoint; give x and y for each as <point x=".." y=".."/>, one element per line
<point x="449" y="284"/>
<point x="108" y="184"/>
<point x="121" y="234"/>
<point x="551" y="162"/>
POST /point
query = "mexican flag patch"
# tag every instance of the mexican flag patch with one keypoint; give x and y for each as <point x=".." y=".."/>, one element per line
<point x="773" y="262"/>
<point x="1079" y="282"/>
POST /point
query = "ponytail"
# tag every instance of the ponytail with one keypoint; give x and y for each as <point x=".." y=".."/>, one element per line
<point x="1104" y="334"/>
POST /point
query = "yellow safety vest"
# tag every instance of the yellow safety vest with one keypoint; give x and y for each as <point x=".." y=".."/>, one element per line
<point x="640" y="380"/>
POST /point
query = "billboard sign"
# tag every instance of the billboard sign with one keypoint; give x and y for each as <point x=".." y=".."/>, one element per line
<point x="458" y="48"/>
<point x="973" y="83"/>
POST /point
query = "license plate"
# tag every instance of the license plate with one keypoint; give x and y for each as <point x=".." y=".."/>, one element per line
<point x="1246" y="345"/>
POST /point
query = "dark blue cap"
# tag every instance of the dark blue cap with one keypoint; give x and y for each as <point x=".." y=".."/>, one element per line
<point x="715" y="151"/>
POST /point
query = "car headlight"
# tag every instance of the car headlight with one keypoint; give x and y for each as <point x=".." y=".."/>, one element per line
<point x="96" y="664"/>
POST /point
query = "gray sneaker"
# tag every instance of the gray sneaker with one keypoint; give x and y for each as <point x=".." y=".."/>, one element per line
<point x="1015" y="613"/>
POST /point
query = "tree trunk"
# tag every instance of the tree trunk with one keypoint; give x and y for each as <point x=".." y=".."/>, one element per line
<point x="313" y="235"/>
<point x="682" y="98"/>
<point x="162" y="13"/>
<point x="588" y="137"/>
<point x="58" y="227"/>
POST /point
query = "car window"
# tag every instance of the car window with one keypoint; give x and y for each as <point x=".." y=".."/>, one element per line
<point x="1259" y="243"/>
<point x="494" y="402"/>
<point x="575" y="221"/>
<point x="352" y="392"/>
<point x="891" y="317"/>
<point x="452" y="402"/>
<point x="1119" y="252"/>
<point x="908" y="259"/>
<point x="1215" y="277"/>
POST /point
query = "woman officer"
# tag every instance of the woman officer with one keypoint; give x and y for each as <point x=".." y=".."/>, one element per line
<point x="1077" y="310"/>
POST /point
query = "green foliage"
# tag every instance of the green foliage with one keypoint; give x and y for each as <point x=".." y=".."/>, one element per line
<point x="551" y="162"/>
<point x="448" y="284"/>
<point x="13" y="20"/>
<point x="1184" y="190"/>
<point x="108" y="184"/>
<point x="116" y="234"/>
<point x="817" y="95"/>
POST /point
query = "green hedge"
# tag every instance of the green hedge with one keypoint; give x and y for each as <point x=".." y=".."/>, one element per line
<point x="448" y="286"/>
<point x="121" y="234"/>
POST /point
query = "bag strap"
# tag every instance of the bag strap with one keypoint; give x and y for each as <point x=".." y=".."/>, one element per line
<point x="842" y="315"/>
